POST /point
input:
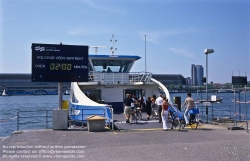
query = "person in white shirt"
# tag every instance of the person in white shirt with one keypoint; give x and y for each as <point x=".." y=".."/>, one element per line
<point x="159" y="101"/>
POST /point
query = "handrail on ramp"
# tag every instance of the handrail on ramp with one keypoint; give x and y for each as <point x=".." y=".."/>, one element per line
<point x="165" y="90"/>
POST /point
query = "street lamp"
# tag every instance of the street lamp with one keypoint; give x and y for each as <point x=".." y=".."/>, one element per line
<point x="207" y="51"/>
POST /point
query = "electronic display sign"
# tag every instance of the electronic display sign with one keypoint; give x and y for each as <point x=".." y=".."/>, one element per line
<point x="239" y="80"/>
<point x="59" y="63"/>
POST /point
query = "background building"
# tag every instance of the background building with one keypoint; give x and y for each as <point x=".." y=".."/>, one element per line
<point x="174" y="82"/>
<point x="197" y="73"/>
<point x="22" y="84"/>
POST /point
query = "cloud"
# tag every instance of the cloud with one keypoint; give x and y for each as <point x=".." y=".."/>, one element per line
<point x="77" y="32"/>
<point x="103" y="6"/>
<point x="183" y="52"/>
<point x="92" y="31"/>
<point x="155" y="36"/>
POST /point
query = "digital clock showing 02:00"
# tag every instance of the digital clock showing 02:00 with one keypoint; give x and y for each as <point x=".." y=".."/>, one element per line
<point x="60" y="66"/>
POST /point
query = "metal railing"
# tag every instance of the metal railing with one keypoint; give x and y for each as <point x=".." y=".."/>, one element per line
<point x="119" y="78"/>
<point x="225" y="115"/>
<point x="39" y="117"/>
<point x="84" y="113"/>
<point x="208" y="113"/>
<point x="34" y="117"/>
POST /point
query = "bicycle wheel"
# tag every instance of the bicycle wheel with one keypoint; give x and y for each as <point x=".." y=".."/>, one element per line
<point x="170" y="118"/>
<point x="139" y="115"/>
<point x="135" y="117"/>
<point x="132" y="120"/>
<point x="154" y="114"/>
<point x="194" y="123"/>
<point x="180" y="124"/>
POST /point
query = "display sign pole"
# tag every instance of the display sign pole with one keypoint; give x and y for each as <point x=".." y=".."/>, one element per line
<point x="60" y="95"/>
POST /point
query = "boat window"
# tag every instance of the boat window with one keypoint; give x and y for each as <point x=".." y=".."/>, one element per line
<point x="111" y="65"/>
<point x="136" y="92"/>
<point x="94" y="95"/>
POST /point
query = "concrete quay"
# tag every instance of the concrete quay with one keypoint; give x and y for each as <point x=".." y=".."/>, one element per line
<point x="144" y="141"/>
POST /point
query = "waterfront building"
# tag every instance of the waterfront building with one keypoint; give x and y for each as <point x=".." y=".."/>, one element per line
<point x="197" y="73"/>
<point x="22" y="82"/>
<point x="170" y="80"/>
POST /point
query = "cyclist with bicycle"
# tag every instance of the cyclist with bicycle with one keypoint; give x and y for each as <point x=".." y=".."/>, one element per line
<point x="190" y="104"/>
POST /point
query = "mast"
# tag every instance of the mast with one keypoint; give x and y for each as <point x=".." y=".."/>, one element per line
<point x="113" y="44"/>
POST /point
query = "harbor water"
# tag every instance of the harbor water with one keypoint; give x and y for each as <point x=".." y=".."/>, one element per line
<point x="10" y="105"/>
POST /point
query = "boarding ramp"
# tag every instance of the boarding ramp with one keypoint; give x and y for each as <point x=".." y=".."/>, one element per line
<point x="82" y="107"/>
<point x="82" y="99"/>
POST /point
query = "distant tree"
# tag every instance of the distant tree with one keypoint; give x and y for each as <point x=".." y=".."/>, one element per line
<point x="227" y="85"/>
<point x="172" y="86"/>
<point x="209" y="86"/>
<point x="180" y="87"/>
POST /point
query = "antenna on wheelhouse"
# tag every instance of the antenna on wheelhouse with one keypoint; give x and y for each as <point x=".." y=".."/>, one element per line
<point x="113" y="42"/>
<point x="96" y="48"/>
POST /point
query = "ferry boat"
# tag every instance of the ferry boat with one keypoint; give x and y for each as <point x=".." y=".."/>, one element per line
<point x="213" y="99"/>
<point x="223" y="91"/>
<point x="109" y="81"/>
<point x="218" y="100"/>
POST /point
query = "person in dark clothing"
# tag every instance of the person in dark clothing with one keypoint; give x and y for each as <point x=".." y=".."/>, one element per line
<point x="127" y="107"/>
<point x="148" y="107"/>
<point x="109" y="70"/>
<point x="142" y="102"/>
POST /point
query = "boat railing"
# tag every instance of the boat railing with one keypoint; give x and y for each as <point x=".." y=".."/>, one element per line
<point x="140" y="77"/>
<point x="119" y="78"/>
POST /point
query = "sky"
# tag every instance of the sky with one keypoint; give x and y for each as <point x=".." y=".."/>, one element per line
<point x="177" y="33"/>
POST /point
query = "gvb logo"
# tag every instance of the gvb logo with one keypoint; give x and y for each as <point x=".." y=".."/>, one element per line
<point x="38" y="48"/>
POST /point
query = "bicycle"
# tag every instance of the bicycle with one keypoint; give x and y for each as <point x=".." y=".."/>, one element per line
<point x="135" y="115"/>
<point x="138" y="113"/>
<point x="177" y="119"/>
<point x="154" y="113"/>
<point x="193" y="119"/>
